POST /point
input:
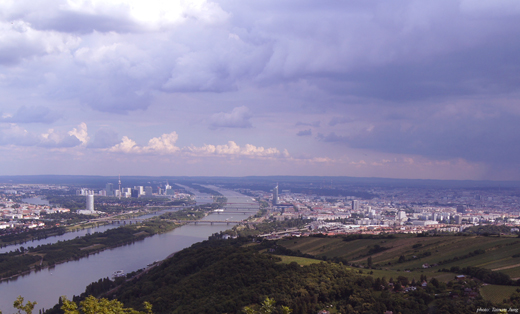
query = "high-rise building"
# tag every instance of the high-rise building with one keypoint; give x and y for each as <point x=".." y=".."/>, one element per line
<point x="458" y="219"/>
<point x="148" y="191"/>
<point x="110" y="189"/>
<point x="275" y="195"/>
<point x="119" y="182"/>
<point x="461" y="209"/>
<point x="90" y="202"/>
<point x="355" y="205"/>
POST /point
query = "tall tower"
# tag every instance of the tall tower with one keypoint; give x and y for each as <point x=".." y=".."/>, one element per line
<point x="90" y="202"/>
<point x="275" y="195"/>
<point x="119" y="186"/>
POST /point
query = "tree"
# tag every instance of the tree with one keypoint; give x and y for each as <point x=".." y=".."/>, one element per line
<point x="268" y="306"/>
<point x="369" y="261"/>
<point x="27" y="308"/>
<point x="403" y="281"/>
<point x="91" y="305"/>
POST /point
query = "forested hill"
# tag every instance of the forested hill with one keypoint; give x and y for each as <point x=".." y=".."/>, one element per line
<point x="224" y="276"/>
<point x="224" y="279"/>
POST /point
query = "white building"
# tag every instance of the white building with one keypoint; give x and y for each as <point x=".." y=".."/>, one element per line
<point x="90" y="203"/>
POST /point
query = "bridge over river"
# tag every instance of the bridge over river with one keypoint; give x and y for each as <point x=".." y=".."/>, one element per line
<point x="201" y="221"/>
<point x="216" y="221"/>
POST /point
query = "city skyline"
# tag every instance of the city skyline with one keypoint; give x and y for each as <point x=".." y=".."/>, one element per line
<point x="409" y="89"/>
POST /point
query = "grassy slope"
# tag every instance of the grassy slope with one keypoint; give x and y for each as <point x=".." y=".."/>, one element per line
<point x="300" y="260"/>
<point x="495" y="293"/>
<point x="498" y="253"/>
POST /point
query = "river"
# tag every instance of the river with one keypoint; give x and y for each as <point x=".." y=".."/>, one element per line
<point x="78" y="233"/>
<point x="35" y="201"/>
<point x="71" y="278"/>
<point x="54" y="239"/>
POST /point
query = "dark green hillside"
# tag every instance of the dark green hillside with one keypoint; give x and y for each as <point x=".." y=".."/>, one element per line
<point x="225" y="276"/>
<point x="224" y="279"/>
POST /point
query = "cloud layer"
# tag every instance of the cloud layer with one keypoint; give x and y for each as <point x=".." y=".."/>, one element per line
<point x="436" y="81"/>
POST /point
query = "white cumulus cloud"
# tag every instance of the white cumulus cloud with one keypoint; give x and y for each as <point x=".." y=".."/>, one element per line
<point x="126" y="146"/>
<point x="81" y="133"/>
<point x="164" y="144"/>
<point x="233" y="149"/>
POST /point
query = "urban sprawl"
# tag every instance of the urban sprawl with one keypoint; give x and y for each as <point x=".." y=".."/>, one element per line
<point x="391" y="210"/>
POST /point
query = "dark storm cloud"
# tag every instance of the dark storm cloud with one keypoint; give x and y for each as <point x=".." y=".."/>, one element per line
<point x="36" y="114"/>
<point x="493" y="68"/>
<point x="403" y="77"/>
<point x="398" y="52"/>
<point x="493" y="139"/>
<point x="19" y="41"/>
<point x="104" y="138"/>
<point x="339" y="120"/>
<point x="14" y="54"/>
<point x="69" y="18"/>
<point x="305" y="133"/>
<point x="76" y="22"/>
<point x="314" y="124"/>
<point x="122" y="103"/>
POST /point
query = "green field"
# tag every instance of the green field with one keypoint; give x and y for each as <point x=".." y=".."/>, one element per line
<point x="495" y="293"/>
<point x="300" y="260"/>
<point x="441" y="276"/>
<point x="448" y="250"/>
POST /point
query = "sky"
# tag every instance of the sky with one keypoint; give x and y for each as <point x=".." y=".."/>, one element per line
<point x="425" y="89"/>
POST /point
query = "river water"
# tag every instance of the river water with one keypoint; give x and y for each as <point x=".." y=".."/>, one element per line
<point x="71" y="278"/>
<point x="35" y="201"/>
<point x="200" y="198"/>
<point x="78" y="233"/>
<point x="54" y="239"/>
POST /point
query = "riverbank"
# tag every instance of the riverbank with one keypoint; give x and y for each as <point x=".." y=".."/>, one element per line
<point x="14" y="264"/>
<point x="138" y="274"/>
<point x="38" y="234"/>
<point x="22" y="238"/>
<point x="73" y="277"/>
